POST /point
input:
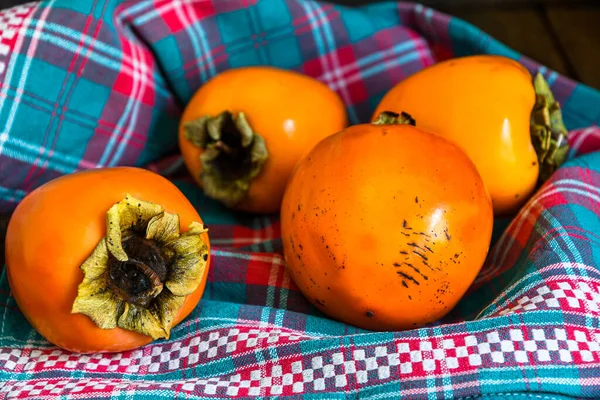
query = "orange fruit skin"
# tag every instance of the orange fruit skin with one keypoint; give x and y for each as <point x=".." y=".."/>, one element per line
<point x="53" y="231"/>
<point x="360" y="207"/>
<point x="291" y="111"/>
<point x="482" y="103"/>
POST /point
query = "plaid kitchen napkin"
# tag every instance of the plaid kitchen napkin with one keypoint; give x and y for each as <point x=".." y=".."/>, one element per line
<point x="95" y="83"/>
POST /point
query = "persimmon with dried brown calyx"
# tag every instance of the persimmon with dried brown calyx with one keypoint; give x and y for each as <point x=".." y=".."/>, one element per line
<point x="106" y="260"/>
<point x="243" y="131"/>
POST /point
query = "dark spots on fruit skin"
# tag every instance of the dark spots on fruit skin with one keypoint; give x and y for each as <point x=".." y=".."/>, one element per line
<point x="448" y="237"/>
<point x="405" y="234"/>
<point x="370" y="314"/>
<point x="404" y="252"/>
<point x="416" y="270"/>
<point x="293" y="215"/>
<point x="320" y="302"/>
<point x="534" y="163"/>
<point x="408" y="277"/>
<point x="428" y="249"/>
<point x="404" y="284"/>
<point x="429" y="266"/>
<point x="205" y="257"/>
<point x="517" y="196"/>
<point x="409" y="297"/>
<point x="301" y="248"/>
<point x="420" y="255"/>
<point x="416" y="199"/>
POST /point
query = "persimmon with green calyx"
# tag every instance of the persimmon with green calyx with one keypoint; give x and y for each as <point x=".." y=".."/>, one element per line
<point x="510" y="126"/>
<point x="243" y="131"/>
<point x="106" y="260"/>
<point x="385" y="226"/>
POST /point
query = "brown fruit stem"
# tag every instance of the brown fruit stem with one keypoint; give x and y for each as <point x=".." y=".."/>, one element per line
<point x="139" y="279"/>
<point x="392" y="118"/>
<point x="548" y="132"/>
<point x="138" y="276"/>
<point x="233" y="155"/>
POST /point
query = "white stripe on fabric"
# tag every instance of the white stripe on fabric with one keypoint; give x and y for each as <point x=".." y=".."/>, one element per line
<point x="509" y="297"/>
<point x="24" y="71"/>
<point x="326" y="45"/>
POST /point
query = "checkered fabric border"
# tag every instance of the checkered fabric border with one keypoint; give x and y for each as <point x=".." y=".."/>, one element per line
<point x="87" y="84"/>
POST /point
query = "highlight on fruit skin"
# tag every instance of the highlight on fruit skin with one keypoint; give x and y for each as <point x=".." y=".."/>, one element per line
<point x="243" y="131"/>
<point x="385" y="226"/>
<point x="106" y="260"/>
<point x="506" y="121"/>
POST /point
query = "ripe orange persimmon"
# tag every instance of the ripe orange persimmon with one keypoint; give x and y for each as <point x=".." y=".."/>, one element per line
<point x="490" y="107"/>
<point x="244" y="130"/>
<point x="385" y="226"/>
<point x="96" y="261"/>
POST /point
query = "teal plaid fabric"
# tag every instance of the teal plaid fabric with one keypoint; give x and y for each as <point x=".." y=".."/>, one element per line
<point x="87" y="84"/>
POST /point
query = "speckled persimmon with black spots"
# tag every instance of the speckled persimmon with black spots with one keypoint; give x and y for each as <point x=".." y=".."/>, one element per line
<point x="385" y="226"/>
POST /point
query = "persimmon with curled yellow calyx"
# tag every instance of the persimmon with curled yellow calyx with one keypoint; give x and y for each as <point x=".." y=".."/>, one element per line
<point x="508" y="123"/>
<point x="106" y="260"/>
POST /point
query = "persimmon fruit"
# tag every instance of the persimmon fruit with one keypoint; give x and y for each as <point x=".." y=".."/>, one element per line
<point x="508" y="123"/>
<point x="106" y="260"/>
<point x="385" y="226"/>
<point x="243" y="131"/>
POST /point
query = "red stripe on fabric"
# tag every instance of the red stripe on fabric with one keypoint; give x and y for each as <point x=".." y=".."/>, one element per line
<point x="217" y="54"/>
<point x="425" y="53"/>
<point x="553" y="234"/>
<point x="586" y="176"/>
<point x="27" y="183"/>
<point x="313" y="16"/>
<point x="79" y="73"/>
<point x="258" y="272"/>
<point x="90" y="121"/>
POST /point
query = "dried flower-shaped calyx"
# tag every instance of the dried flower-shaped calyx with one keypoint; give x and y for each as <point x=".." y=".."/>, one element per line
<point x="139" y="275"/>
<point x="548" y="132"/>
<point x="233" y="155"/>
<point x="392" y="118"/>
